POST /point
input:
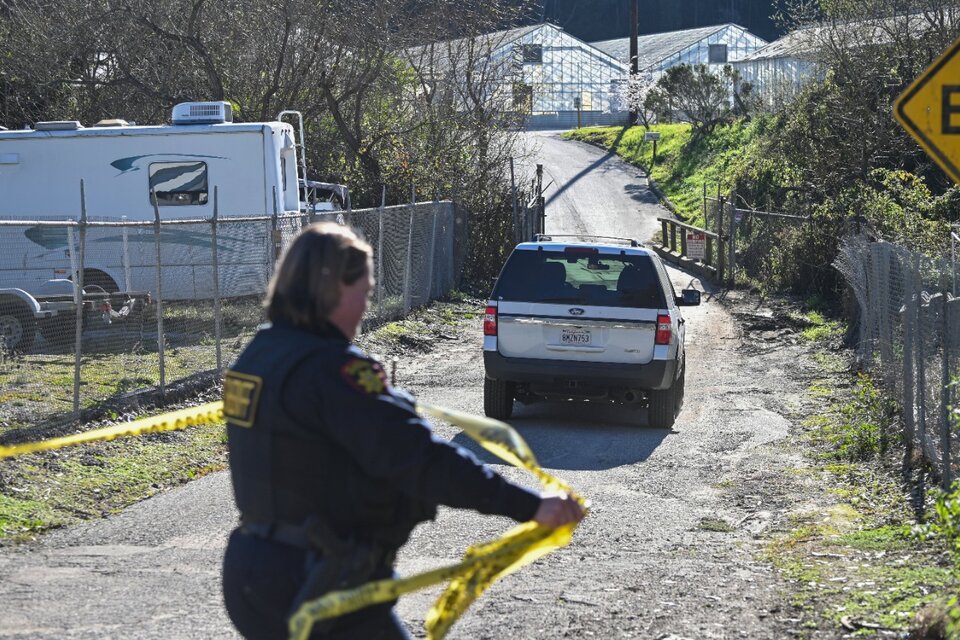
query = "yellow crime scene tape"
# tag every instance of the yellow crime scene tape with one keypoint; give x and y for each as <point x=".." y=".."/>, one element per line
<point x="173" y="421"/>
<point x="482" y="565"/>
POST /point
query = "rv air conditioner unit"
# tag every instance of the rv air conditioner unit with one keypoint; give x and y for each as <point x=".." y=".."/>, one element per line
<point x="57" y="125"/>
<point x="202" y="113"/>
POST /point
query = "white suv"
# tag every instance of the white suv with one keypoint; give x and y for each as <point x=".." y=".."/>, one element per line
<point x="595" y="318"/>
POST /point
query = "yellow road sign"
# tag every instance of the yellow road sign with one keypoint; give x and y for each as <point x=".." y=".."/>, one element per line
<point x="929" y="110"/>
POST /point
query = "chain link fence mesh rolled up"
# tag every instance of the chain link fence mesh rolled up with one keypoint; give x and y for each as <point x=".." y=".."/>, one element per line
<point x="908" y="332"/>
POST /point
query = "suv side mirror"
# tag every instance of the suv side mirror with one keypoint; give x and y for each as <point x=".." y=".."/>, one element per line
<point x="689" y="298"/>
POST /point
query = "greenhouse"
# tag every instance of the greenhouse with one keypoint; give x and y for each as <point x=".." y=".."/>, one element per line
<point x="561" y="76"/>
<point x="657" y="52"/>
<point x="540" y="72"/>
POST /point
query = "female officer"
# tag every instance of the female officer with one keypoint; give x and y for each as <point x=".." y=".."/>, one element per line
<point x="332" y="468"/>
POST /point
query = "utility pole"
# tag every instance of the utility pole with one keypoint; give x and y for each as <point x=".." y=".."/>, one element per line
<point x="634" y="63"/>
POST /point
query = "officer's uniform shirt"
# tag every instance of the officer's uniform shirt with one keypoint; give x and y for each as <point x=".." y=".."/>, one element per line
<point x="314" y="429"/>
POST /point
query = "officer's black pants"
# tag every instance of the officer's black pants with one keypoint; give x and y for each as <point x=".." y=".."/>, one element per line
<point x="260" y="580"/>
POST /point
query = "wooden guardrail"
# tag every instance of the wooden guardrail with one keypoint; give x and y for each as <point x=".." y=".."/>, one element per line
<point x="713" y="258"/>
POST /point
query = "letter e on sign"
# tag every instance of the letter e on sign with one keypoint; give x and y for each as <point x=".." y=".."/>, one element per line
<point x="951" y="109"/>
<point x="929" y="110"/>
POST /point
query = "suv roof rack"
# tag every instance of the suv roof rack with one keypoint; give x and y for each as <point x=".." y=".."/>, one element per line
<point x="548" y="237"/>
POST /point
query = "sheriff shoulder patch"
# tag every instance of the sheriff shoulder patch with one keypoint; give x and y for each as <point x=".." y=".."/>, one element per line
<point x="365" y="376"/>
<point x="241" y="392"/>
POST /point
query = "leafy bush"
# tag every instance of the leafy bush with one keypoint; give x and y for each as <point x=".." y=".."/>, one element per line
<point x="860" y="426"/>
<point x="947" y="509"/>
<point x="699" y="95"/>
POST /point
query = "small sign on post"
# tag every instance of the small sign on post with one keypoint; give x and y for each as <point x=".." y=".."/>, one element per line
<point x="696" y="245"/>
<point x="655" y="137"/>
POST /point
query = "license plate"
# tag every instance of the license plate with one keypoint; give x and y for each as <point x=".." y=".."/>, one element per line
<point x="575" y="336"/>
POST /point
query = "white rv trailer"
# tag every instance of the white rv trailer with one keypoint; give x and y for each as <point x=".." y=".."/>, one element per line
<point x="254" y="167"/>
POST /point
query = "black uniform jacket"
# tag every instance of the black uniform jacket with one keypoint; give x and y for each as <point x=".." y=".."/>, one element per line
<point x="315" y="429"/>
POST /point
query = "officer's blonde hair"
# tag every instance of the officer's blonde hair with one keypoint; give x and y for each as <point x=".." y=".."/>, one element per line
<point x="305" y="287"/>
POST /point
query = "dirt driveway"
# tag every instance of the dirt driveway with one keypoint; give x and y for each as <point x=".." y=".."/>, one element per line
<point x="673" y="548"/>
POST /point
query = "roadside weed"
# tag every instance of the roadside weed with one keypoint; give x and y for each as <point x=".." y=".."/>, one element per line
<point x="821" y="327"/>
<point x="946" y="521"/>
<point x="858" y="427"/>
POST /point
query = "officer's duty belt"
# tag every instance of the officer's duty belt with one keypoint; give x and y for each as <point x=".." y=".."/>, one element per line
<point x="293" y="535"/>
<point x="303" y="537"/>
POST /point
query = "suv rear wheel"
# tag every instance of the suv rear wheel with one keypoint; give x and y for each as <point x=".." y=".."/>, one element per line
<point x="498" y="398"/>
<point x="665" y="404"/>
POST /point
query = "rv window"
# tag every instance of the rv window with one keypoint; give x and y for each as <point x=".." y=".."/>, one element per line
<point x="179" y="183"/>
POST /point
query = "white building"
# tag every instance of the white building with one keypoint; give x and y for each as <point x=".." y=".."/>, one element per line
<point x="783" y="68"/>
<point x="780" y="70"/>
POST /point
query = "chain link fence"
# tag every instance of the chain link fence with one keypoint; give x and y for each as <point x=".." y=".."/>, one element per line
<point x="160" y="308"/>
<point x="754" y="244"/>
<point x="909" y="314"/>
<point x="909" y="335"/>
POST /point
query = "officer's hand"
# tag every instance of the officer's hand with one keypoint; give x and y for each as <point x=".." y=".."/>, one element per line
<point x="557" y="510"/>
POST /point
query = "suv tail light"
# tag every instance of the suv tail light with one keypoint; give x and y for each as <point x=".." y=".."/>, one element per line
<point x="490" y="321"/>
<point x="664" y="330"/>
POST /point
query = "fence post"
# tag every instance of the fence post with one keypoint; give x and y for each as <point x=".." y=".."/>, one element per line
<point x="349" y="218"/>
<point x="160" y="337"/>
<point x="217" y="310"/>
<point x="921" y="380"/>
<point x="433" y="254"/>
<point x="732" y="246"/>
<point x="409" y="265"/>
<point x="720" y="257"/>
<point x="275" y="240"/>
<point x="953" y="259"/>
<point x="945" y="392"/>
<point x="78" y="265"/>
<point x="909" y="345"/>
<point x="126" y="257"/>
<point x="77" y="303"/>
<point x="706" y="222"/>
<point x="884" y="328"/>
<point x="542" y="204"/>
<point x="518" y="227"/>
<point x="380" y="276"/>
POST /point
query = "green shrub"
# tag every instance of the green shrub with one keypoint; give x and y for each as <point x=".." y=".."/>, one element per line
<point x="857" y="429"/>
<point x="947" y="509"/>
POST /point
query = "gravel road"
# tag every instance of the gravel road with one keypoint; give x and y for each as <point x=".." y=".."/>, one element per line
<point x="673" y="546"/>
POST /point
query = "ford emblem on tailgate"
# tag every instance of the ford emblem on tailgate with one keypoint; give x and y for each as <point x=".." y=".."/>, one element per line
<point x="576" y="311"/>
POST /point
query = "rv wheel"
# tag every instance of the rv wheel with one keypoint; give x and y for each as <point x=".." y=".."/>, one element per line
<point x="18" y="328"/>
<point x="97" y="278"/>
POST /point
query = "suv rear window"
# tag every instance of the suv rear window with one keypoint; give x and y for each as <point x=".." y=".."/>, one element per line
<point x="580" y="276"/>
